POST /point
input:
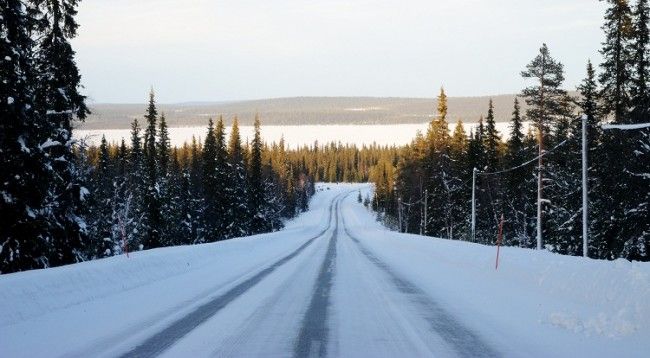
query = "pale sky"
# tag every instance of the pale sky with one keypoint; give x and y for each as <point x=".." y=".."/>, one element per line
<point x="209" y="50"/>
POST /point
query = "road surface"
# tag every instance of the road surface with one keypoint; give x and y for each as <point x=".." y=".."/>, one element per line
<point x="373" y="310"/>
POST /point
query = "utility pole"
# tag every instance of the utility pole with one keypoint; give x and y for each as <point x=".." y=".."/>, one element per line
<point x="585" y="213"/>
<point x="539" y="191"/>
<point x="474" y="204"/>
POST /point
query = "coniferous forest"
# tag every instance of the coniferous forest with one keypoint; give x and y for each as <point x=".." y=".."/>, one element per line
<point x="65" y="202"/>
<point x="428" y="184"/>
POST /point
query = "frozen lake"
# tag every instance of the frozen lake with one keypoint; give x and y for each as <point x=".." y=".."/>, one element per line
<point x="397" y="134"/>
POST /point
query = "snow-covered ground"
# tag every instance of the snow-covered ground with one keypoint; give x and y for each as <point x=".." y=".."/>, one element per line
<point x="295" y="136"/>
<point x="336" y="283"/>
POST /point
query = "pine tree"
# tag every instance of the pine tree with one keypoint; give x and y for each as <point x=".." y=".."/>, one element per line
<point x="547" y="103"/>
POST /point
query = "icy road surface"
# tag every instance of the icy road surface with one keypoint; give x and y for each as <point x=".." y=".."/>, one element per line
<point x="332" y="283"/>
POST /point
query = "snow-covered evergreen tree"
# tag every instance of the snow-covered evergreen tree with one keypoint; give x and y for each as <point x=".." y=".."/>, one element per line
<point x="519" y="195"/>
<point x="59" y="102"/>
<point x="256" y="185"/>
<point x="100" y="218"/>
<point x="131" y="209"/>
<point x="238" y="190"/>
<point x="438" y="173"/>
<point x="152" y="219"/>
<point x="211" y="187"/>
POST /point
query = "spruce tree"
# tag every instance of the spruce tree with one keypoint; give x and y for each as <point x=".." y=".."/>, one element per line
<point x="123" y="218"/>
<point x="625" y="152"/>
<point x="438" y="164"/>
<point x="588" y="104"/>
<point x="59" y="102"/>
<point x="167" y="205"/>
<point x="211" y="187"/>
<point x="492" y="140"/>
<point x="489" y="191"/>
<point x="256" y="187"/>
<point x="617" y="59"/>
<point x="640" y="91"/>
<point x="152" y="217"/>
<point x="459" y="192"/>
<point x="238" y="190"/>
<point x="132" y="209"/>
<point x="163" y="147"/>
<point x="23" y="179"/>
<point x="519" y="195"/>
<point x="100" y="220"/>
<point x="179" y="212"/>
<point x="637" y="245"/>
<point x="195" y="177"/>
<point x="222" y="176"/>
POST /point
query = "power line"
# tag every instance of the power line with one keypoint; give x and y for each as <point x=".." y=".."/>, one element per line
<point x="478" y="172"/>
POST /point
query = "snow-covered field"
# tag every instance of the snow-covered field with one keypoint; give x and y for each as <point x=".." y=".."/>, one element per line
<point x="294" y="136"/>
<point x="336" y="283"/>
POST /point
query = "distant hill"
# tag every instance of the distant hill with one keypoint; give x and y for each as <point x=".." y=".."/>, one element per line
<point x="304" y="110"/>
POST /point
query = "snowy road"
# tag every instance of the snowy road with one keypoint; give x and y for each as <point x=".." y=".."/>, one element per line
<point x="333" y="283"/>
<point x="365" y="308"/>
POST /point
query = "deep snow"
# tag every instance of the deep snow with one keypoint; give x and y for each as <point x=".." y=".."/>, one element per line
<point x="380" y="293"/>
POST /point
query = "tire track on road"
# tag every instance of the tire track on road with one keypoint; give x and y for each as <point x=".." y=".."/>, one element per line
<point x="162" y="340"/>
<point x="465" y="342"/>
<point x="314" y="333"/>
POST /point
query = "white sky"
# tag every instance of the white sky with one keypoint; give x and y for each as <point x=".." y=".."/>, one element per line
<point x="209" y="50"/>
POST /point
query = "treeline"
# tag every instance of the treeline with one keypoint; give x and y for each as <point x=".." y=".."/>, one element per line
<point x="430" y="191"/>
<point x="146" y="195"/>
<point x="337" y="162"/>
